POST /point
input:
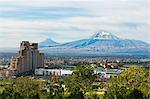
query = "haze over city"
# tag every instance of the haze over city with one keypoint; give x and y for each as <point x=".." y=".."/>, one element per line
<point x="69" y="20"/>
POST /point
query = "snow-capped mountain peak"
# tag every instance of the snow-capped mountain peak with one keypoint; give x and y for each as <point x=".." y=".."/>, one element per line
<point x="104" y="35"/>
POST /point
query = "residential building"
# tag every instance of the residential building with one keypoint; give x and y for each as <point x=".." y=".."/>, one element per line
<point x="27" y="59"/>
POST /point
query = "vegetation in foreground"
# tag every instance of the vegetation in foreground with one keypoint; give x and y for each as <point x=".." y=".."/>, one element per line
<point x="132" y="84"/>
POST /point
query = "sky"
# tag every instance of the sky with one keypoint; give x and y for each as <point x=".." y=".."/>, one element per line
<point x="69" y="20"/>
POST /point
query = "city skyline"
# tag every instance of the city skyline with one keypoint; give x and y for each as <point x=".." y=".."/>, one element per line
<point x="64" y="21"/>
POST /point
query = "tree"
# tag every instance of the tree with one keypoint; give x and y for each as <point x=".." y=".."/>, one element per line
<point x="23" y="87"/>
<point x="81" y="80"/>
<point x="10" y="93"/>
<point x="132" y="84"/>
<point x="84" y="77"/>
<point x="135" y="94"/>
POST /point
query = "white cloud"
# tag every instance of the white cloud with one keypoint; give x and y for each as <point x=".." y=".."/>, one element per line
<point x="127" y="18"/>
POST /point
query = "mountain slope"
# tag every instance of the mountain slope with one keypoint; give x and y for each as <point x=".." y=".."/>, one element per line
<point x="100" y="44"/>
<point x="105" y="40"/>
<point x="48" y="43"/>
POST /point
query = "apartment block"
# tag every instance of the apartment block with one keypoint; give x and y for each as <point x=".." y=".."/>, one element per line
<point x="28" y="58"/>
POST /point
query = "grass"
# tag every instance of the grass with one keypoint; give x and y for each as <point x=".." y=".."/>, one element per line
<point x="2" y="89"/>
<point x="6" y="81"/>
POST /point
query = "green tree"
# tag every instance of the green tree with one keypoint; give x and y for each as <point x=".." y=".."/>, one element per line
<point x="130" y="85"/>
<point x="81" y="81"/>
<point x="135" y="94"/>
<point x="10" y="93"/>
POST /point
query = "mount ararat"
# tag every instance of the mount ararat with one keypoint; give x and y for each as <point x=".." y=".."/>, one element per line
<point x="101" y="43"/>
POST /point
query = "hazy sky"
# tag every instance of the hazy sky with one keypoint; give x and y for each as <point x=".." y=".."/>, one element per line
<point x="68" y="20"/>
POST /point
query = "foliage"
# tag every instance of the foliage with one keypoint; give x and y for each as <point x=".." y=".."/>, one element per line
<point x="80" y="81"/>
<point x="23" y="87"/>
<point x="130" y="85"/>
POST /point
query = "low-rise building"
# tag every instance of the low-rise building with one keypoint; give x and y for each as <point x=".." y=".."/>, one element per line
<point x="105" y="73"/>
<point x="50" y="72"/>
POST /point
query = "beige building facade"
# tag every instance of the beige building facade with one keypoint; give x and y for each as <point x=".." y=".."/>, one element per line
<point x="28" y="58"/>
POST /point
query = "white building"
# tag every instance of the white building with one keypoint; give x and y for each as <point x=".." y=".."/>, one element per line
<point x="106" y="73"/>
<point x="56" y="72"/>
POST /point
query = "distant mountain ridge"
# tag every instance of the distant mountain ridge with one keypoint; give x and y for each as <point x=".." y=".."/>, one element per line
<point x="105" y="40"/>
<point x="99" y="43"/>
